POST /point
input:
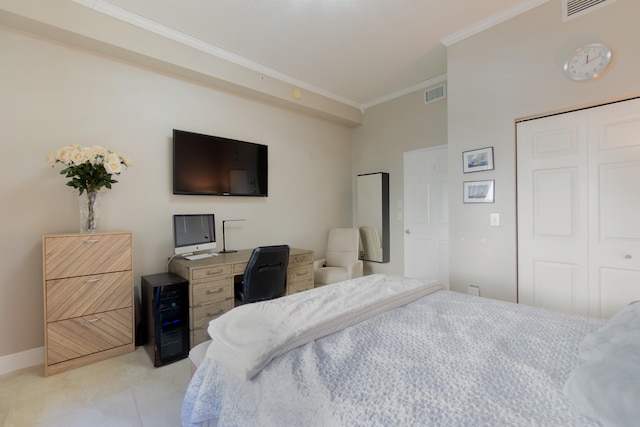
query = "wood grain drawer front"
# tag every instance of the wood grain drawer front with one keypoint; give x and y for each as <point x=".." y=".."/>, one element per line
<point x="300" y="286"/>
<point x="202" y="315"/>
<point x="81" y="255"/>
<point x="215" y="272"/>
<point x="81" y="336"/>
<point x="303" y="272"/>
<point x="199" y="336"/>
<point x="80" y="296"/>
<point x="301" y="258"/>
<point x="209" y="292"/>
<point x="238" y="269"/>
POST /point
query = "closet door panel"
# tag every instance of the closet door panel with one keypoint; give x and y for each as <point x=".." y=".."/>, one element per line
<point x="614" y="205"/>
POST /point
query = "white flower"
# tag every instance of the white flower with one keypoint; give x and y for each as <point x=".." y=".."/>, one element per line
<point x="112" y="164"/>
<point x="77" y="157"/>
<point x="100" y="151"/>
<point x="90" y="154"/>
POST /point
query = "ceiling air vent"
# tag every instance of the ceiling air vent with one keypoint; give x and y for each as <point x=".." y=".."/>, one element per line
<point x="574" y="8"/>
<point x="434" y="94"/>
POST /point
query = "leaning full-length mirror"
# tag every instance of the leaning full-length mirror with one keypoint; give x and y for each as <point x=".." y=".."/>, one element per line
<point x="373" y="216"/>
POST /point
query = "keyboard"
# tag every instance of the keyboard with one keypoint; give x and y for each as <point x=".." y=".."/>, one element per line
<point x="198" y="256"/>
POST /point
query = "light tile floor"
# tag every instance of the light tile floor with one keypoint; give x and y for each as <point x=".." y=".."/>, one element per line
<point x="123" y="391"/>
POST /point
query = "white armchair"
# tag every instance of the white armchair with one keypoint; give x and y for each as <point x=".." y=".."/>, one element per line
<point x="341" y="261"/>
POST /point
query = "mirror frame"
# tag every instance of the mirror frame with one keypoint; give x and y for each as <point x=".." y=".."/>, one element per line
<point x="378" y="184"/>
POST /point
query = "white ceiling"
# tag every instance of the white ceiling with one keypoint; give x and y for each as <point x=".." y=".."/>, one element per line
<point x="358" y="51"/>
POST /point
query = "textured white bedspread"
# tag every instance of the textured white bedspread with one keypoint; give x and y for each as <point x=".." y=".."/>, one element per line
<point x="248" y="337"/>
<point x="447" y="359"/>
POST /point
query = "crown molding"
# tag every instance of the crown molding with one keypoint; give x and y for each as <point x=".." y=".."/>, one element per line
<point x="518" y="9"/>
<point x="124" y="15"/>
<point x="397" y="94"/>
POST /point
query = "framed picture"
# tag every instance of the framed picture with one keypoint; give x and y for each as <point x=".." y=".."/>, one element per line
<point x="479" y="191"/>
<point x="477" y="160"/>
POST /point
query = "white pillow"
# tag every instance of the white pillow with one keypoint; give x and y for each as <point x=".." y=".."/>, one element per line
<point x="607" y="385"/>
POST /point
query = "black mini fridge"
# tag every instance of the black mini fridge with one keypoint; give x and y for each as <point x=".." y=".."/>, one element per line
<point x="165" y="311"/>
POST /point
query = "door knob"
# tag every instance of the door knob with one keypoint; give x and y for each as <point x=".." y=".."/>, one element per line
<point x="628" y="256"/>
<point x="407" y="231"/>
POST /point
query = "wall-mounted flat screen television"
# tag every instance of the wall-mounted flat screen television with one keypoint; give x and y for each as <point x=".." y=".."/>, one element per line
<point x="216" y="166"/>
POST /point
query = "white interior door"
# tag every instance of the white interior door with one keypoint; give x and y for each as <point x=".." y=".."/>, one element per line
<point x="578" y="234"/>
<point x="552" y="213"/>
<point x="426" y="214"/>
<point x="614" y="245"/>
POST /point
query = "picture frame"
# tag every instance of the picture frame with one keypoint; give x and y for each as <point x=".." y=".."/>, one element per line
<point x="477" y="160"/>
<point x="479" y="191"/>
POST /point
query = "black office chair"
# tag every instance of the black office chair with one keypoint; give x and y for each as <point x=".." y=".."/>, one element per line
<point x="265" y="276"/>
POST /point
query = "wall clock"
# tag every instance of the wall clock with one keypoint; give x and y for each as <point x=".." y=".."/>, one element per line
<point x="588" y="62"/>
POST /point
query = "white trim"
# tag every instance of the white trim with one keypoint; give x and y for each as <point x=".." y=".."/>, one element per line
<point x="103" y="6"/>
<point x="397" y="94"/>
<point x="519" y="8"/>
<point x="22" y="360"/>
<point x="116" y="12"/>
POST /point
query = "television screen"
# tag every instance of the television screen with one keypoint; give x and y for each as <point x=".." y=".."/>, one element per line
<point x="193" y="232"/>
<point x="216" y="166"/>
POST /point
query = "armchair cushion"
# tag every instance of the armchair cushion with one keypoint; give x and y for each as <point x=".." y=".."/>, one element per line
<point x="341" y="262"/>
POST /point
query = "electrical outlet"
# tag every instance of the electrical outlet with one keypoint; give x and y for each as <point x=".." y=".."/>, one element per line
<point x="473" y="290"/>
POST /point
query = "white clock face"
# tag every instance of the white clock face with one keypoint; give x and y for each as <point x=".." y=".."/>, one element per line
<point x="588" y="62"/>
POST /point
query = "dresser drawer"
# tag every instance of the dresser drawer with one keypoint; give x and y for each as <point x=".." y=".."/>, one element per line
<point x="215" y="272"/>
<point x="81" y="336"/>
<point x="303" y="272"/>
<point x="301" y="258"/>
<point x="79" y="296"/>
<point x="202" y="315"/>
<point x="199" y="336"/>
<point x="303" y="285"/>
<point x="209" y="292"/>
<point x="81" y="255"/>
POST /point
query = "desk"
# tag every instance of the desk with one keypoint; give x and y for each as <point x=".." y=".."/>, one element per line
<point x="211" y="280"/>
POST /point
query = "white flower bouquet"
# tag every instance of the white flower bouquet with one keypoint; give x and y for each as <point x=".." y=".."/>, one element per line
<point x="90" y="168"/>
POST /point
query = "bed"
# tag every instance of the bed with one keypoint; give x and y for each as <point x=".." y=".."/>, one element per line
<point x="383" y="350"/>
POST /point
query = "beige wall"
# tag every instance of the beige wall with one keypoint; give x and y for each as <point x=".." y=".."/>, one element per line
<point x="389" y="130"/>
<point x="510" y="71"/>
<point x="53" y="95"/>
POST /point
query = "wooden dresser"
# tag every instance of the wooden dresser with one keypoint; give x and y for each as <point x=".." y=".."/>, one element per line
<point x="88" y="298"/>
<point x="211" y="281"/>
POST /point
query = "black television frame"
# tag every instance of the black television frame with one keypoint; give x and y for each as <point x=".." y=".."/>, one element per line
<point x="205" y="169"/>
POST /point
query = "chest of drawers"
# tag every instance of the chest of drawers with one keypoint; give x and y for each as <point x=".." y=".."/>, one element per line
<point x="88" y="298"/>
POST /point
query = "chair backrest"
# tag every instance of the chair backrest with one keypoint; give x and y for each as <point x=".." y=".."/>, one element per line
<point x="265" y="276"/>
<point x="342" y="247"/>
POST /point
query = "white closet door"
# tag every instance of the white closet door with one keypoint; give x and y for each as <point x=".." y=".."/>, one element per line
<point x="614" y="171"/>
<point x="552" y="213"/>
<point x="578" y="204"/>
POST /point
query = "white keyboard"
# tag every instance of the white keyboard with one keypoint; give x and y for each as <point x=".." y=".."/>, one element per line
<point x="198" y="256"/>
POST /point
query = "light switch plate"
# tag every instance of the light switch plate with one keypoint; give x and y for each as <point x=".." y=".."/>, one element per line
<point x="494" y="220"/>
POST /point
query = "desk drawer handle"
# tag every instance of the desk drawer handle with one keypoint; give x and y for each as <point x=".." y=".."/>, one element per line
<point x="303" y="273"/>
<point x="217" y="313"/>
<point x="214" y="291"/>
<point x="92" y="280"/>
<point x="91" y="240"/>
<point x="93" y="320"/>
<point x="211" y="273"/>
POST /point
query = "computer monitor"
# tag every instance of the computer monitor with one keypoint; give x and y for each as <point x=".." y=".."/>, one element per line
<point x="193" y="232"/>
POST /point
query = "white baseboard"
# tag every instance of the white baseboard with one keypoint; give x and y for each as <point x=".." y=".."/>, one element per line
<point x="22" y="360"/>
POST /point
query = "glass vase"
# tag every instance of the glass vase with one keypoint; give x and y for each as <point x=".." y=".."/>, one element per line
<point x="90" y="211"/>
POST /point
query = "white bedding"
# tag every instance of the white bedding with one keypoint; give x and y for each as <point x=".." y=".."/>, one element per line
<point x="247" y="338"/>
<point x="444" y="359"/>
